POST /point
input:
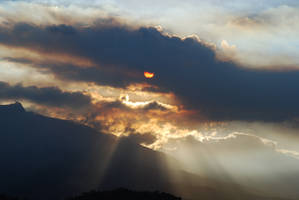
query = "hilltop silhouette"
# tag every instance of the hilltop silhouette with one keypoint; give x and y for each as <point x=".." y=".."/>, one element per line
<point x="123" y="193"/>
<point x="17" y="107"/>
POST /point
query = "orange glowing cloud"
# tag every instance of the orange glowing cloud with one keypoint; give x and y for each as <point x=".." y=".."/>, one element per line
<point x="149" y="74"/>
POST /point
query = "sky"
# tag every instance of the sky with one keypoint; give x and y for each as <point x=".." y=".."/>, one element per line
<point x="226" y="74"/>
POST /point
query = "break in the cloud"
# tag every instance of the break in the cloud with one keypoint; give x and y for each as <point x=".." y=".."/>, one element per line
<point x="216" y="90"/>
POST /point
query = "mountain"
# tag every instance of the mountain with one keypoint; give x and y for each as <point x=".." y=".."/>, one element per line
<point x="47" y="158"/>
<point x="12" y="109"/>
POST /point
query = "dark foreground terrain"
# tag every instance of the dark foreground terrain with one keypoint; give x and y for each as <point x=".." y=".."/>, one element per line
<point x="119" y="194"/>
<point x="47" y="158"/>
<point x="125" y="194"/>
<point x="5" y="197"/>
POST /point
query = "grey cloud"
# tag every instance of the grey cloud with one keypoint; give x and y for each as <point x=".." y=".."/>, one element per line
<point x="154" y="106"/>
<point x="141" y="138"/>
<point x="51" y="96"/>
<point x="217" y="90"/>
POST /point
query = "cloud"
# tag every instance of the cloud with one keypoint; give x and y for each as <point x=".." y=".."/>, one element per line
<point x="144" y="138"/>
<point x="120" y="117"/>
<point x="245" y="159"/>
<point x="216" y="90"/>
<point x="50" y="96"/>
<point x="236" y="152"/>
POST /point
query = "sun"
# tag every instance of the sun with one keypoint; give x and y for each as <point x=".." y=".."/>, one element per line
<point x="149" y="74"/>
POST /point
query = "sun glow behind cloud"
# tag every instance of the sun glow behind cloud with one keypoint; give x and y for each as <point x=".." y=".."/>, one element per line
<point x="149" y="75"/>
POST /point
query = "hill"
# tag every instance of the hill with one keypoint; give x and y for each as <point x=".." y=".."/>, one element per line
<point x="122" y="193"/>
<point x="47" y="158"/>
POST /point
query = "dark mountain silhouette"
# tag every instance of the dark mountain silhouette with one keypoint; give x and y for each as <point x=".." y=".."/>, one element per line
<point x="11" y="109"/>
<point x="47" y="158"/>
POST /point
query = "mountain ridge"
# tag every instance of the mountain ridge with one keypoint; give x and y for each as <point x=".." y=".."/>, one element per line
<point x="53" y="158"/>
<point x="16" y="107"/>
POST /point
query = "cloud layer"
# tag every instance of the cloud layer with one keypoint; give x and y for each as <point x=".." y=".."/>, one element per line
<point x="216" y="90"/>
<point x="49" y="96"/>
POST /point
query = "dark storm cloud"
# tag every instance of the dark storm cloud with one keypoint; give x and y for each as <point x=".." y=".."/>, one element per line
<point x="146" y="139"/>
<point x="217" y="90"/>
<point x="155" y="106"/>
<point x="133" y="136"/>
<point x="72" y="72"/>
<point x="50" y="96"/>
<point x="115" y="78"/>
